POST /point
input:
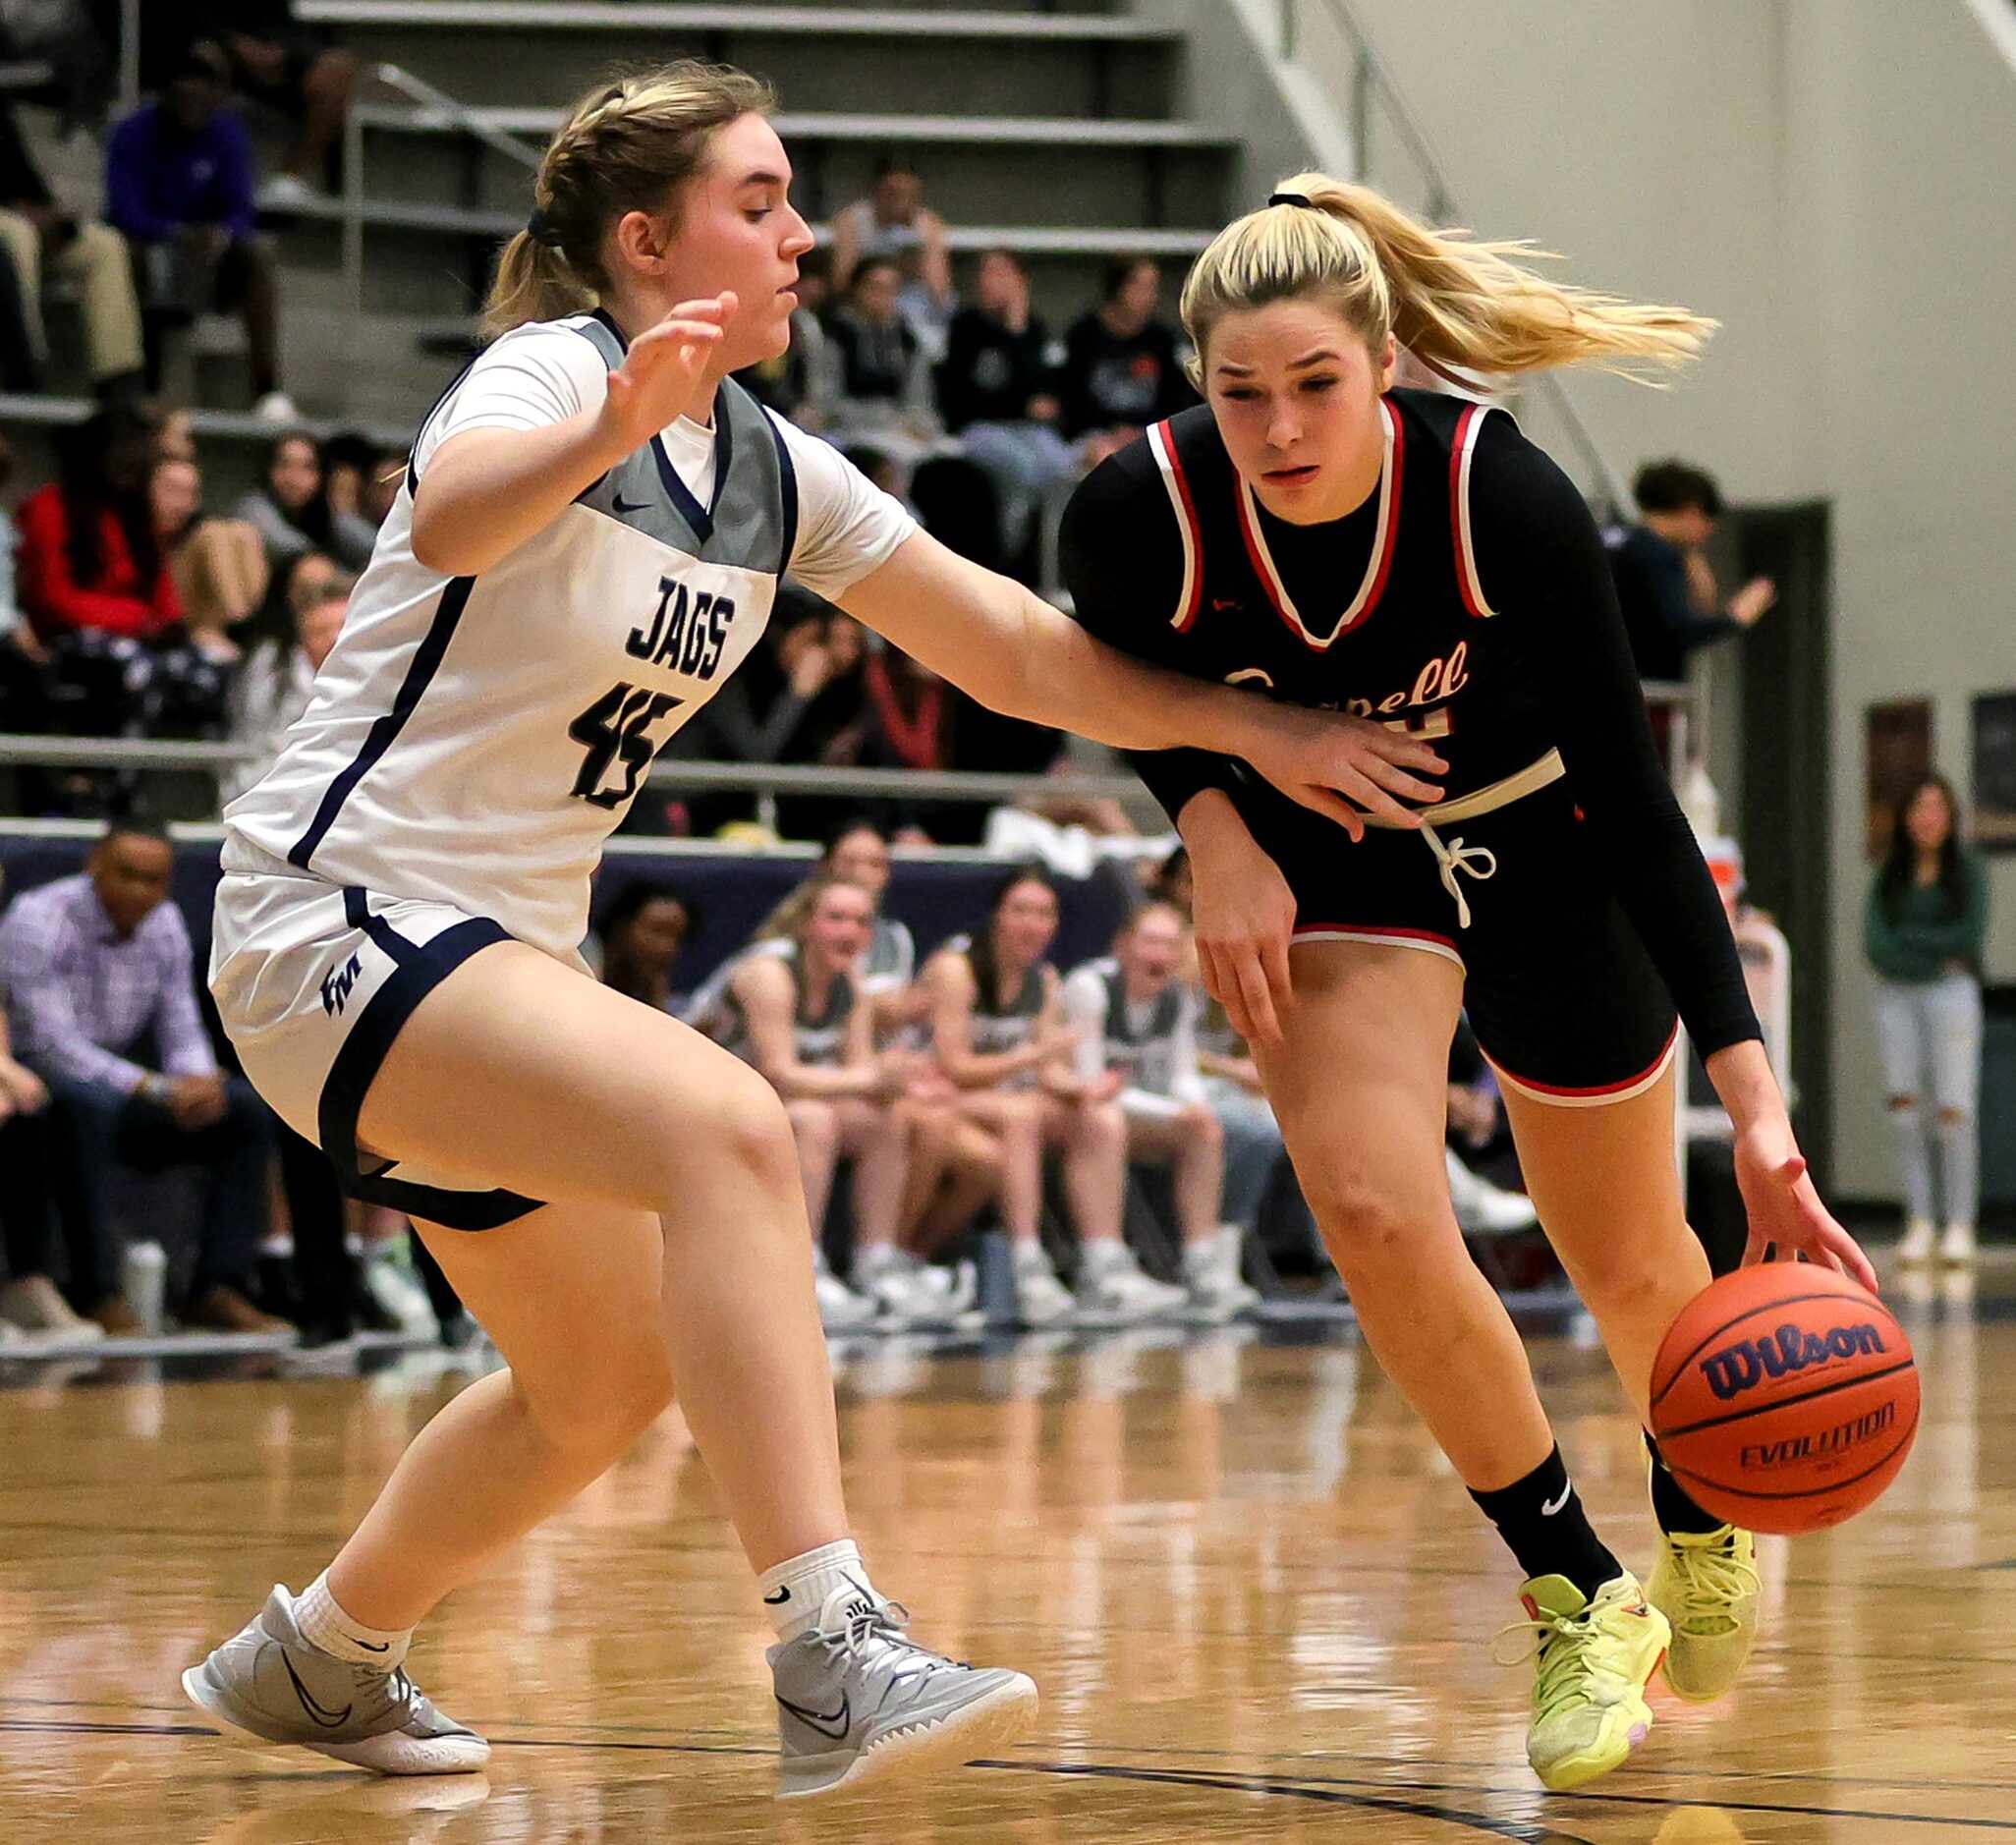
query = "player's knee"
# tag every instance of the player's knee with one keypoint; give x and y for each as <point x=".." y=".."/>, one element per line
<point x="815" y="1125"/>
<point x="1366" y="1225"/>
<point x="749" y="1126"/>
<point x="1203" y="1127"/>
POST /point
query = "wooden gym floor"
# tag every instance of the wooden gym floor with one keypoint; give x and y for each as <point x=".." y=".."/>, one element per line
<point x="1258" y="1603"/>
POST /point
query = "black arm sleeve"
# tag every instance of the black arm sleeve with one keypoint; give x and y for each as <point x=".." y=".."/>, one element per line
<point x="1121" y="558"/>
<point x="1543" y="569"/>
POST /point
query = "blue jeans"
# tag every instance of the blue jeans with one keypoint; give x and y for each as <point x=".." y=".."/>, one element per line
<point x="1023" y="460"/>
<point x="1253" y="1150"/>
<point x="1930" y="1035"/>
<point x="97" y="1127"/>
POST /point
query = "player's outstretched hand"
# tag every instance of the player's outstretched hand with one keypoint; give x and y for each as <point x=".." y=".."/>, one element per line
<point x="1788" y="1219"/>
<point x="1343" y="767"/>
<point x="660" y="376"/>
<point x="1243" y="915"/>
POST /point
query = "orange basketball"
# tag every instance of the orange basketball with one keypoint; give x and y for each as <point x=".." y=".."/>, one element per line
<point x="1785" y="1397"/>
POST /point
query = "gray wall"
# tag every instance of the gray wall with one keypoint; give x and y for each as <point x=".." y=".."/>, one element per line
<point x="1830" y="179"/>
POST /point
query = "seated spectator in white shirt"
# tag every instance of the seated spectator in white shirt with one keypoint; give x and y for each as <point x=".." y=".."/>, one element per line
<point x="277" y="681"/>
<point x="799" y="1016"/>
<point x="894" y="222"/>
<point x="102" y="1004"/>
<point x="1137" y="1020"/>
<point x="878" y="376"/>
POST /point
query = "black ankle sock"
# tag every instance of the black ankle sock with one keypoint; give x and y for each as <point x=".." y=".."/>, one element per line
<point x="1671" y="1505"/>
<point x="1542" y="1521"/>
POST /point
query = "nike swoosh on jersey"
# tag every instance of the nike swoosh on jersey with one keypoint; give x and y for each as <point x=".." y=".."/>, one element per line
<point x="317" y="1713"/>
<point x="833" y="1725"/>
<point x="629" y="506"/>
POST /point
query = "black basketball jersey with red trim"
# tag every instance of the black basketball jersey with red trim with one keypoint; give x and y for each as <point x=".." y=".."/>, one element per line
<point x="1468" y="602"/>
<point x="1381" y="613"/>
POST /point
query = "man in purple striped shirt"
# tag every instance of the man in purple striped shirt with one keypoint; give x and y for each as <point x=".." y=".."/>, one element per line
<point x="101" y="1002"/>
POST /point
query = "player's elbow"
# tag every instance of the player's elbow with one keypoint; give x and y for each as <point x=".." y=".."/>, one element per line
<point x="442" y="542"/>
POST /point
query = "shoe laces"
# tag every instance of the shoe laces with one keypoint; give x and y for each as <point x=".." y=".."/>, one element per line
<point x="1713" y="1579"/>
<point x="1566" y="1667"/>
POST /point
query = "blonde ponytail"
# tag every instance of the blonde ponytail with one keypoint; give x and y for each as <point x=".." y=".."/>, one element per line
<point x="1459" y="305"/>
<point x="533" y="282"/>
<point x="627" y="146"/>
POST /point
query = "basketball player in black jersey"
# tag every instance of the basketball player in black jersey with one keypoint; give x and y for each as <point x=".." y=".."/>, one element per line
<point x="1411" y="558"/>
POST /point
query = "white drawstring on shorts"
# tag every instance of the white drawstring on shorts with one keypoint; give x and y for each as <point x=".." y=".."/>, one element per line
<point x="1478" y="861"/>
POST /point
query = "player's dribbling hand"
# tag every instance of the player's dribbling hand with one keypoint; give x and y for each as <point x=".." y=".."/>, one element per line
<point x="1788" y="1219"/>
<point x="1243" y="914"/>
<point x="661" y="373"/>
<point x="1343" y="767"/>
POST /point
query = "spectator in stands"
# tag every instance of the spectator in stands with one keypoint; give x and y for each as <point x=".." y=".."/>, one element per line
<point x="101" y="593"/>
<point x="89" y="558"/>
<point x="900" y="725"/>
<point x="276" y="60"/>
<point x="219" y="565"/>
<point x="1923" y="928"/>
<point x="1477" y="1141"/>
<point x="1253" y="1148"/>
<point x="1135" y="1019"/>
<point x="102" y="1005"/>
<point x="799" y="1016"/>
<point x="791" y="383"/>
<point x="292" y="511"/>
<point x="995" y="392"/>
<point x="894" y="223"/>
<point x="276" y="682"/>
<point x="879" y="379"/>
<point x="18" y="370"/>
<point x="179" y="185"/>
<point x="30" y="1301"/>
<point x="1122" y="364"/>
<point x="354" y="470"/>
<point x="1664" y="583"/>
<point x="23" y="657"/>
<point x="1000" y="1032"/>
<point x="47" y="243"/>
<point x="798" y="690"/>
<point x="642" y="931"/>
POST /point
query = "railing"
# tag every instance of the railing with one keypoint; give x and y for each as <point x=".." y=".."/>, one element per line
<point x="765" y="780"/>
<point x="436" y="102"/>
<point x="1327" y="28"/>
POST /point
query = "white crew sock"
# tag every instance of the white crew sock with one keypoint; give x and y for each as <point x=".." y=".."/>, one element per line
<point x="325" y="1627"/>
<point x="796" y="1590"/>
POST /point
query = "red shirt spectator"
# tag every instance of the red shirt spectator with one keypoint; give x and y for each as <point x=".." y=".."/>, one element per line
<point x="90" y="557"/>
<point x="118" y="596"/>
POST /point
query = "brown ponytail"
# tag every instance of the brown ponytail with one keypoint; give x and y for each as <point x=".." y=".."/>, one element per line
<point x="1459" y="305"/>
<point x="627" y="146"/>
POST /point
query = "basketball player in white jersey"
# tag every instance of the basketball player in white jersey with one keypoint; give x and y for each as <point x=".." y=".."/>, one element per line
<point x="587" y="542"/>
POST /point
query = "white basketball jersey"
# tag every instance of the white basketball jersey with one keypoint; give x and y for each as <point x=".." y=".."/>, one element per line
<point x="475" y="740"/>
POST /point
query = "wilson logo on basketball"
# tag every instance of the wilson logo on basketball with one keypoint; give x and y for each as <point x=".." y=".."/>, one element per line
<point x="1835" y="1440"/>
<point x="1748" y="1362"/>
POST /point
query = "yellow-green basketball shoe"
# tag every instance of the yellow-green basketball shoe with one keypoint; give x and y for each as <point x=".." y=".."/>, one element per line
<point x="1706" y="1584"/>
<point x="1592" y="1659"/>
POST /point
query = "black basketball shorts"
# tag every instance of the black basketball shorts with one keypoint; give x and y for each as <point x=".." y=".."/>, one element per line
<point x="1564" y="997"/>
